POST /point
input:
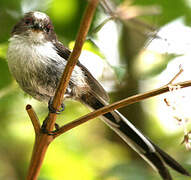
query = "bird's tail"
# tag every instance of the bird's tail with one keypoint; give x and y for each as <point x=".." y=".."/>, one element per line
<point x="155" y="156"/>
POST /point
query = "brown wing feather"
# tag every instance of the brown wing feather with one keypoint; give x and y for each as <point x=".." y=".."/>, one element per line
<point x="96" y="88"/>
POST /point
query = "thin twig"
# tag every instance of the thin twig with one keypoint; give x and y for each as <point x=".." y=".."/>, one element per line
<point x="84" y="28"/>
<point x="117" y="105"/>
<point x="34" y="119"/>
<point x="176" y="76"/>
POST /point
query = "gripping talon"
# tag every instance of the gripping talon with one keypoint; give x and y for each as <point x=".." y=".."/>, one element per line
<point x="57" y="127"/>
<point x="62" y="107"/>
<point x="52" y="109"/>
<point x="45" y="131"/>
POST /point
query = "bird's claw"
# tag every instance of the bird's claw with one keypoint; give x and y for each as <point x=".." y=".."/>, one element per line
<point x="45" y="131"/>
<point x="53" y="110"/>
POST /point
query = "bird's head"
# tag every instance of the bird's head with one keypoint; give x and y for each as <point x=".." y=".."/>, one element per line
<point x="36" y="26"/>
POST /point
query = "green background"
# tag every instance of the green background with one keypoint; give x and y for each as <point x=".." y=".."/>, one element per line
<point x="91" y="151"/>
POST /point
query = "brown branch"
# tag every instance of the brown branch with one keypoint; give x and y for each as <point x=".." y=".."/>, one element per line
<point x="34" y="119"/>
<point x="117" y="105"/>
<point x="83" y="30"/>
<point x="42" y="140"/>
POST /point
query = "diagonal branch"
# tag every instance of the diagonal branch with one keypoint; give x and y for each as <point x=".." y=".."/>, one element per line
<point x="117" y="105"/>
<point x="84" y="28"/>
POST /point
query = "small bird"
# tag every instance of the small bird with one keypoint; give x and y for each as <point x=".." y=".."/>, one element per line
<point x="37" y="60"/>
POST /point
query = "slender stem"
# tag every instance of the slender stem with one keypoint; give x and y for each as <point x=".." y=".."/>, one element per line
<point x="40" y="147"/>
<point x="34" y="119"/>
<point x="42" y="142"/>
<point x="117" y="105"/>
<point x="176" y="76"/>
<point x="84" y="28"/>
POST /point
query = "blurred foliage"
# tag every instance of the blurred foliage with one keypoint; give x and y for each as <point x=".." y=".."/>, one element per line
<point x="120" y="72"/>
<point x="180" y="8"/>
<point x="90" y="151"/>
<point x="89" y="46"/>
<point x="156" y="68"/>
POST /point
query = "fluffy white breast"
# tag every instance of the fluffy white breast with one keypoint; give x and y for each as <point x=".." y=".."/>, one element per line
<point x="23" y="55"/>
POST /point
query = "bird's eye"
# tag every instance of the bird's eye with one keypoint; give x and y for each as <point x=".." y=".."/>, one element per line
<point x="28" y="21"/>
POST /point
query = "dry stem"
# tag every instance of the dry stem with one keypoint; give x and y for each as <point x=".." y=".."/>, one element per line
<point x="176" y="76"/>
<point x="84" y="27"/>
<point x="117" y="105"/>
<point x="34" y="119"/>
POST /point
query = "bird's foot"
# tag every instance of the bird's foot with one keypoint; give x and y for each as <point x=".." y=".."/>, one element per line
<point x="52" y="109"/>
<point x="45" y="131"/>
